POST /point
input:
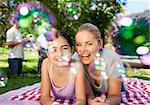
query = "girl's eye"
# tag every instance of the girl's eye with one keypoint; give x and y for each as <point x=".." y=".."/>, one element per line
<point x="65" y="48"/>
<point x="52" y="50"/>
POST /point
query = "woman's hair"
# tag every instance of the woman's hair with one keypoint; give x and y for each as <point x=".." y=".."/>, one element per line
<point x="90" y="28"/>
<point x="66" y="36"/>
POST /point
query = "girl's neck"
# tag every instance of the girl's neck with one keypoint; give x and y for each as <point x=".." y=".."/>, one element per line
<point x="60" y="70"/>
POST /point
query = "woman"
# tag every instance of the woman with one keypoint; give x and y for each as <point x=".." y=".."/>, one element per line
<point x="62" y="78"/>
<point x="105" y="84"/>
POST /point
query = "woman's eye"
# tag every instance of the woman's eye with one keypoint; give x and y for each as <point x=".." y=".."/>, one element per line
<point x="77" y="44"/>
<point x="90" y="44"/>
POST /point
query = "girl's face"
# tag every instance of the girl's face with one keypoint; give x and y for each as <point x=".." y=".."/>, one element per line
<point x="87" y="46"/>
<point x="59" y="52"/>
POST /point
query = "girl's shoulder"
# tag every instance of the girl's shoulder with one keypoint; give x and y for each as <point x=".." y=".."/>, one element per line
<point x="46" y="63"/>
<point x="76" y="63"/>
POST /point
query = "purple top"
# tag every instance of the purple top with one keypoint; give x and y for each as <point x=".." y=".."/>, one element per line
<point x="66" y="92"/>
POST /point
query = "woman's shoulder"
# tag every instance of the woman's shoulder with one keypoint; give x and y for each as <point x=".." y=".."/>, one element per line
<point x="107" y="53"/>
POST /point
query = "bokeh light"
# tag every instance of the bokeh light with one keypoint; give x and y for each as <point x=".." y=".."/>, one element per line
<point x="139" y="39"/>
<point x="126" y="21"/>
<point x="24" y="11"/>
<point x="33" y="18"/>
<point x="130" y="37"/>
<point x="142" y="50"/>
<point x="3" y="79"/>
<point x="72" y="11"/>
<point x="145" y="59"/>
<point x="98" y="67"/>
<point x="127" y="34"/>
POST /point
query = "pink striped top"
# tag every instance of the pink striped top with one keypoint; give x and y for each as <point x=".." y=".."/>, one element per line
<point x="66" y="92"/>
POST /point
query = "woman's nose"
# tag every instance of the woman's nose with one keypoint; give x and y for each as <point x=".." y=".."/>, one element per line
<point x="83" y="48"/>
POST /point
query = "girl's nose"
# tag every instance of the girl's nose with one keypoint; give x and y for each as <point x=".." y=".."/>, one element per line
<point x="59" y="52"/>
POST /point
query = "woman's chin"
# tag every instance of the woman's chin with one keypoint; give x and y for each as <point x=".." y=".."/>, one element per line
<point x="86" y="61"/>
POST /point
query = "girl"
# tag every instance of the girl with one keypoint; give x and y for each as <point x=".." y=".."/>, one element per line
<point x="62" y="77"/>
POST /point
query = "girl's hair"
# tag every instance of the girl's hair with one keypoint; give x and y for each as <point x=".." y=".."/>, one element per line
<point x="90" y="28"/>
<point x="66" y="36"/>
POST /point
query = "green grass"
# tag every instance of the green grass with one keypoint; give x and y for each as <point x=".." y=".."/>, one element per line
<point x="29" y="76"/>
<point x="18" y="82"/>
<point x="138" y="73"/>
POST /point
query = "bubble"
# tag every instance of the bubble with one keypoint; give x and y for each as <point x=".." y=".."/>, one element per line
<point x="97" y="54"/>
<point x="120" y="69"/>
<point x="98" y="68"/>
<point x="3" y="79"/>
<point x="72" y="11"/>
<point x="142" y="50"/>
<point x="33" y="18"/>
<point x="65" y="58"/>
<point x="73" y="70"/>
<point x="24" y="11"/>
<point x="145" y="59"/>
<point x="42" y="42"/>
<point x="97" y="62"/>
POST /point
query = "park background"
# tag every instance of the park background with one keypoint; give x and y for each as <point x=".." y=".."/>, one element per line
<point x="101" y="15"/>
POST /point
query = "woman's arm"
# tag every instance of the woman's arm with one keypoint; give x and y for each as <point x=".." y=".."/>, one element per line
<point x="80" y="85"/>
<point x="89" y="92"/>
<point x="114" y="91"/>
<point x="45" y="84"/>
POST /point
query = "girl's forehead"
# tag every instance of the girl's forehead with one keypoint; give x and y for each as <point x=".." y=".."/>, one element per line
<point x="58" y="42"/>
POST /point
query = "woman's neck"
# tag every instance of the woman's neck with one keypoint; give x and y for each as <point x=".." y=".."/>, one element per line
<point x="94" y="74"/>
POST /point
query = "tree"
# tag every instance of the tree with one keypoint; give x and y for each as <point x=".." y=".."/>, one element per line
<point x="98" y="12"/>
<point x="101" y="15"/>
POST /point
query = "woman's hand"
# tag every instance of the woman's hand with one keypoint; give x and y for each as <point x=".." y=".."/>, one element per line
<point x="99" y="101"/>
<point x="102" y="98"/>
<point x="56" y="103"/>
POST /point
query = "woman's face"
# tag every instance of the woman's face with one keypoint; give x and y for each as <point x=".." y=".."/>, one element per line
<point x="87" y="46"/>
<point x="59" y="51"/>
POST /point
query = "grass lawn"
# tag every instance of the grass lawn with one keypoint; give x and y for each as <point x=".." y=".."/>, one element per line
<point x="30" y="71"/>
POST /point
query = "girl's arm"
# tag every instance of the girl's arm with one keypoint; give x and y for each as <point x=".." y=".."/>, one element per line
<point x="45" y="84"/>
<point x="80" y="85"/>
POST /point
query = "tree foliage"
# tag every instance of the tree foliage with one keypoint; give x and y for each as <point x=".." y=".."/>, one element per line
<point x="136" y="35"/>
<point x="100" y="14"/>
